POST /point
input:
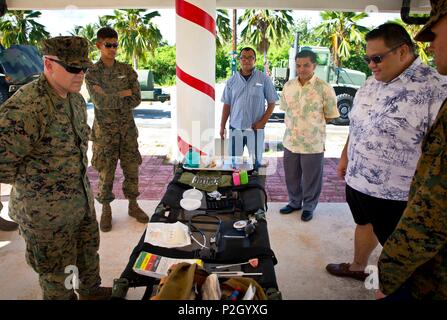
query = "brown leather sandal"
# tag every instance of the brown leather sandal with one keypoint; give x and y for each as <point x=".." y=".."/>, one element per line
<point x="342" y="270"/>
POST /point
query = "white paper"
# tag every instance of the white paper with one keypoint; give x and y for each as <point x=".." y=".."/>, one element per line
<point x="250" y="293"/>
<point x="167" y="235"/>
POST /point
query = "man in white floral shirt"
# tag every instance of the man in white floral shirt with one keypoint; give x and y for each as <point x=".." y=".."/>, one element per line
<point x="391" y="114"/>
<point x="309" y="103"/>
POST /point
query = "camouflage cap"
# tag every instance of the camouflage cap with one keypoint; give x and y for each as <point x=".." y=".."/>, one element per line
<point x="438" y="10"/>
<point x="69" y="49"/>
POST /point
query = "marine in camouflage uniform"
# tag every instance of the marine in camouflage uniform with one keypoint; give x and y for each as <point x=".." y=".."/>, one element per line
<point x="115" y="91"/>
<point x="43" y="152"/>
<point x="414" y="259"/>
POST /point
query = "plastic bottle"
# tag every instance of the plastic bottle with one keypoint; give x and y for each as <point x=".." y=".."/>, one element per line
<point x="192" y="158"/>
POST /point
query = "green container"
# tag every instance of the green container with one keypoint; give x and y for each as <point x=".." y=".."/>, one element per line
<point x="192" y="159"/>
<point x="244" y="176"/>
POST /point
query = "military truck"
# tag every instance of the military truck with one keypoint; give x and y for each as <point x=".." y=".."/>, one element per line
<point x="344" y="81"/>
<point x="280" y="75"/>
<point x="148" y="92"/>
<point x="19" y="64"/>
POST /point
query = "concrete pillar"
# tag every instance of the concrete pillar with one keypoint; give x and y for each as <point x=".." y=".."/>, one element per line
<point x="193" y="119"/>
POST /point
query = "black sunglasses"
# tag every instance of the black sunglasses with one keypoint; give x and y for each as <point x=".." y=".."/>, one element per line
<point x="109" y="45"/>
<point x="70" y="69"/>
<point x="378" y="58"/>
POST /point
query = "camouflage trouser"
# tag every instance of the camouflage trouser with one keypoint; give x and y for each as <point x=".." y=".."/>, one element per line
<point x="49" y="252"/>
<point x="105" y="159"/>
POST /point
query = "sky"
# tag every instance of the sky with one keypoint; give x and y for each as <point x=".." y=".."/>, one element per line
<point x="61" y="22"/>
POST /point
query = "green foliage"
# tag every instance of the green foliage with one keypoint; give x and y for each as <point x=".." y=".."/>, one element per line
<point x="341" y="32"/>
<point x="356" y="61"/>
<point x="224" y="32"/>
<point x="278" y="55"/>
<point x="162" y="64"/>
<point x="421" y="47"/>
<point x="270" y="32"/>
<point x="306" y="34"/>
<point x="264" y="27"/>
<point x="20" y="27"/>
<point x="137" y="33"/>
<point x="88" y="32"/>
<point x="223" y="62"/>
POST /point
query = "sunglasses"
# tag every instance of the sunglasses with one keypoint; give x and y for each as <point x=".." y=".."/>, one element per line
<point x="378" y="58"/>
<point x="109" y="45"/>
<point x="69" y="69"/>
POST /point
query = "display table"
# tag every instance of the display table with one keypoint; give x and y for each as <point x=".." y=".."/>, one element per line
<point x="214" y="221"/>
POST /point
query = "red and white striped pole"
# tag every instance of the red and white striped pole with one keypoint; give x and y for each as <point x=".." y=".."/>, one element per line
<point x="196" y="58"/>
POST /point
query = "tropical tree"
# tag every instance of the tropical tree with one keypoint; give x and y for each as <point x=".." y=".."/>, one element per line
<point x="306" y="33"/>
<point x="103" y="21"/>
<point x="279" y="55"/>
<point x="163" y="65"/>
<point x="223" y="34"/>
<point x="223" y="62"/>
<point x="357" y="62"/>
<point x="20" y="27"/>
<point x="138" y="34"/>
<point x="265" y="26"/>
<point x="341" y="32"/>
<point x="89" y="33"/>
<point x="421" y="47"/>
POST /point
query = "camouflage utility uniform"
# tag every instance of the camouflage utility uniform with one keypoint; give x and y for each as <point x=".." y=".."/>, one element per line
<point x="43" y="146"/>
<point x="416" y="253"/>
<point x="114" y="133"/>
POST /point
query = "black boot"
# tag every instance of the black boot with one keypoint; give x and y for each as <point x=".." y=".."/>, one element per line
<point x="6" y="225"/>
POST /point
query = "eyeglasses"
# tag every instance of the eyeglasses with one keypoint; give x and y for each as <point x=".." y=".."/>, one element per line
<point x="69" y="69"/>
<point x="247" y="57"/>
<point x="109" y="45"/>
<point x="378" y="58"/>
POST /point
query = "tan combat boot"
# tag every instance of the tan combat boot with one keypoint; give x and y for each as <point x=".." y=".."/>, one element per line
<point x="106" y="218"/>
<point x="100" y="293"/>
<point x="136" y="212"/>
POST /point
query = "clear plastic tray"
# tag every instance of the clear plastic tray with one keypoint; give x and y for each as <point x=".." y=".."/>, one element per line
<point x="218" y="163"/>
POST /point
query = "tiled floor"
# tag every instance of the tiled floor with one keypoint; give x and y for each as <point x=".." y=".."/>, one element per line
<point x="333" y="188"/>
<point x="155" y="175"/>
<point x="302" y="249"/>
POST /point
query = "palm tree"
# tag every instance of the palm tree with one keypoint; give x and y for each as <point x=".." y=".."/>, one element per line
<point x="340" y="32"/>
<point x="138" y="34"/>
<point x="306" y="33"/>
<point x="265" y="26"/>
<point x="103" y="21"/>
<point x="20" y="27"/>
<point x="223" y="28"/>
<point x="89" y="33"/>
<point x="421" y="47"/>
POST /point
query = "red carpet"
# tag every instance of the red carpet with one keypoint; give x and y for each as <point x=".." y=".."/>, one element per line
<point x="154" y="177"/>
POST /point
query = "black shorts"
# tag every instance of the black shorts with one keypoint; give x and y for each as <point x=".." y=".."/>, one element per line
<point x="383" y="214"/>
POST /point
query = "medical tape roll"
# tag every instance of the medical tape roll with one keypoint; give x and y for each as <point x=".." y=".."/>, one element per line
<point x="243" y="176"/>
<point x="236" y="179"/>
<point x="240" y="224"/>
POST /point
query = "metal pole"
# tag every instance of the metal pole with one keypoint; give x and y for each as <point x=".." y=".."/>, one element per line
<point x="234" y="53"/>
